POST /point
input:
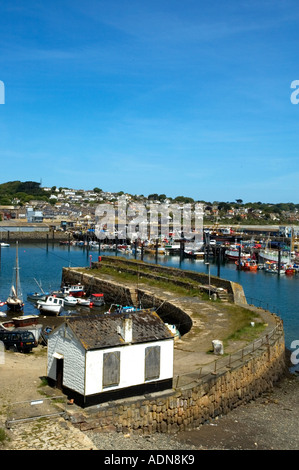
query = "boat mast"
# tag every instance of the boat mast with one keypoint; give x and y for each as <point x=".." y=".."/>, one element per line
<point x="17" y="268"/>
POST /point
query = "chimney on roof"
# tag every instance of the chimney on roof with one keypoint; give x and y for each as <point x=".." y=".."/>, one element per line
<point x="126" y="329"/>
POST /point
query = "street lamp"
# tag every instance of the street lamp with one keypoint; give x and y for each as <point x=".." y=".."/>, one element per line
<point x="208" y="264"/>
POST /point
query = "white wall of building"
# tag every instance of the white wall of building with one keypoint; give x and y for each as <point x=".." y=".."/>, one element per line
<point x="83" y="370"/>
<point x="131" y="365"/>
<point x="63" y="342"/>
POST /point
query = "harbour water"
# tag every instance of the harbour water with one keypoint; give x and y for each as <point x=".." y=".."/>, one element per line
<point x="279" y="294"/>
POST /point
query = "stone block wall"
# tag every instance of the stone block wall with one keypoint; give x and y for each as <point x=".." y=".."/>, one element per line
<point x="234" y="290"/>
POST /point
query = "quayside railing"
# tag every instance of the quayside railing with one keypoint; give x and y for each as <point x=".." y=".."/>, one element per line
<point x="29" y="410"/>
<point x="226" y="362"/>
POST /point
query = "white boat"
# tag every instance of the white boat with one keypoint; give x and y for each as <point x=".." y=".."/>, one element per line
<point x="272" y="255"/>
<point x="271" y="267"/>
<point x="15" y="300"/>
<point x="76" y="290"/>
<point x="52" y="305"/>
<point x="81" y="302"/>
<point x="234" y="254"/>
<point x="70" y="301"/>
<point x="4" y="245"/>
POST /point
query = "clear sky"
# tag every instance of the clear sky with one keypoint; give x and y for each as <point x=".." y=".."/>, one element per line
<point x="152" y="96"/>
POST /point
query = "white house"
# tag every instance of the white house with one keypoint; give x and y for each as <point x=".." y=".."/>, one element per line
<point x="98" y="358"/>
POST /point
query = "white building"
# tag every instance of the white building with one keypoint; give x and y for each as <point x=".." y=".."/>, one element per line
<point x="34" y="216"/>
<point x="98" y="358"/>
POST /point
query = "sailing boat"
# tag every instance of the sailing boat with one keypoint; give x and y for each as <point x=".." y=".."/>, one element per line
<point x="15" y="299"/>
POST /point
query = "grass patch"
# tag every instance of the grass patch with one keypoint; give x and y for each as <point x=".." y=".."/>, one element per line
<point x="240" y="319"/>
<point x="139" y="278"/>
<point x="3" y="435"/>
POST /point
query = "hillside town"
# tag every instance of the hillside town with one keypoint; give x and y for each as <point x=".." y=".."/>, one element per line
<point x="68" y="207"/>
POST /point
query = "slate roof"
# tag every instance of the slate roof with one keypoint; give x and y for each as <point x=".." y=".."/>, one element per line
<point x="101" y="331"/>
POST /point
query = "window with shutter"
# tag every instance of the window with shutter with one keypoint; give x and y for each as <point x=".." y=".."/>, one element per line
<point x="111" y="369"/>
<point x="152" y="363"/>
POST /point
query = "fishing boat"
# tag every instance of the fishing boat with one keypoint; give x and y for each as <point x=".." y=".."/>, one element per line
<point x="15" y="300"/>
<point x="52" y="305"/>
<point x="272" y="268"/>
<point x="247" y="265"/>
<point x="82" y="302"/>
<point x="273" y="256"/>
<point x="233" y="253"/>
<point x="76" y="290"/>
<point x="97" y="300"/>
<point x="290" y="269"/>
<point x="194" y="252"/>
<point x="117" y="309"/>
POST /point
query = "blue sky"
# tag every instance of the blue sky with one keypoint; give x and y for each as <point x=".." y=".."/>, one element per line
<point x="179" y="98"/>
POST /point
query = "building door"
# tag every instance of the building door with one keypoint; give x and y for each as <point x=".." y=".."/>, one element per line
<point x="59" y="373"/>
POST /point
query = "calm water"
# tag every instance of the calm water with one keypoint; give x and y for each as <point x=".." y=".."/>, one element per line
<point x="279" y="294"/>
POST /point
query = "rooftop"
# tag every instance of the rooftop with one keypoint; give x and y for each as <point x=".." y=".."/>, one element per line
<point x="102" y="331"/>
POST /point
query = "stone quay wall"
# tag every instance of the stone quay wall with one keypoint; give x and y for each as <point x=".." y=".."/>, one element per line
<point x="121" y="294"/>
<point x="195" y="397"/>
<point x="35" y="236"/>
<point x="234" y="291"/>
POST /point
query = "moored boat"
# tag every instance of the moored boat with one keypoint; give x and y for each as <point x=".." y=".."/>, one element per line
<point x="70" y="301"/>
<point x="234" y="252"/>
<point x="271" y="267"/>
<point x="97" y="300"/>
<point x="35" y="296"/>
<point x="247" y="265"/>
<point x="76" y="290"/>
<point x="52" y="305"/>
<point x="273" y="256"/>
<point x="15" y="299"/>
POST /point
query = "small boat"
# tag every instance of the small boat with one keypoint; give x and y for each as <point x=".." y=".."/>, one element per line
<point x="116" y="308"/>
<point x="35" y="296"/>
<point x="247" y="265"/>
<point x="97" y="300"/>
<point x="290" y="269"/>
<point x="70" y="301"/>
<point x="273" y="268"/>
<point x="82" y="302"/>
<point x="52" y="305"/>
<point x="174" y="331"/>
<point x="15" y="300"/>
<point x="4" y="245"/>
<point x="76" y="290"/>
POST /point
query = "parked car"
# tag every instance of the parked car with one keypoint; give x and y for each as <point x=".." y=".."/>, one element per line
<point x="17" y="340"/>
